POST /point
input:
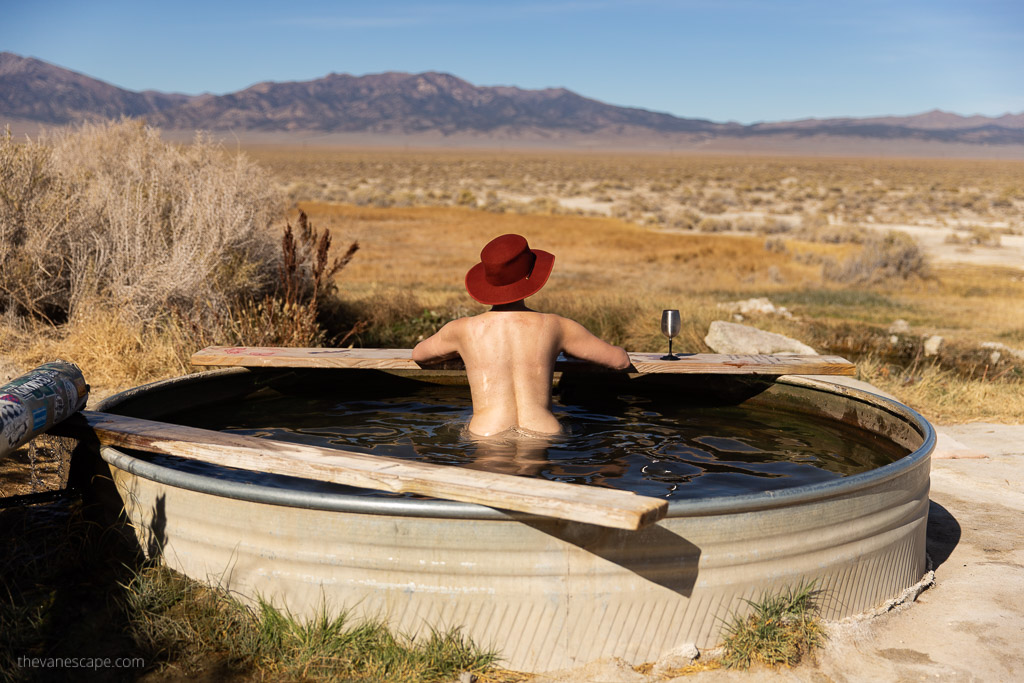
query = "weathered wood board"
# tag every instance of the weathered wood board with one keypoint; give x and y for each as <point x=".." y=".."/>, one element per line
<point x="591" y="504"/>
<point x="643" y="363"/>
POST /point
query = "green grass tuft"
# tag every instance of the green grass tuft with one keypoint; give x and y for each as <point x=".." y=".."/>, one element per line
<point x="194" y="628"/>
<point x="779" y="629"/>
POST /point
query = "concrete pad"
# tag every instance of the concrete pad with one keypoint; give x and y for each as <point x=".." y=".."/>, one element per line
<point x="948" y="448"/>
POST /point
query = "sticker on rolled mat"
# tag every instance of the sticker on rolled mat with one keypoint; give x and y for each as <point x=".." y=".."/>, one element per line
<point x="39" y="418"/>
<point x="14" y="419"/>
<point x="76" y="390"/>
<point x="71" y="396"/>
<point x="39" y="385"/>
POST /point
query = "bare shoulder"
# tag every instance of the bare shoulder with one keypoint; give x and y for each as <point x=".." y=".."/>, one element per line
<point x="442" y="344"/>
<point x="452" y="329"/>
<point x="457" y="325"/>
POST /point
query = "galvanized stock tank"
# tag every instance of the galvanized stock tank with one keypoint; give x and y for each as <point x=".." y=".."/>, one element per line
<point x="545" y="593"/>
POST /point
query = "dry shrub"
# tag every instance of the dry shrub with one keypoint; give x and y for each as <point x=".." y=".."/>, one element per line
<point x="37" y="211"/>
<point x="401" y="319"/>
<point x="891" y="256"/>
<point x="111" y="213"/>
<point x="833" y="234"/>
<point x="129" y="253"/>
<point x="715" y="224"/>
<point x="977" y="235"/>
<point x="307" y="270"/>
<point x="686" y="218"/>
<point x="292" y="313"/>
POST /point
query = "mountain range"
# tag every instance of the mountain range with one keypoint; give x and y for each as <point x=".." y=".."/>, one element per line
<point x="401" y="104"/>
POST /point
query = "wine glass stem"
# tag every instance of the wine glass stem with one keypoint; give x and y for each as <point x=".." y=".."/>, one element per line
<point x="670" y="346"/>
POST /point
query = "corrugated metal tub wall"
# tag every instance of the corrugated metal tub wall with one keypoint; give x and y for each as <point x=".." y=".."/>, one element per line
<point x="546" y="593"/>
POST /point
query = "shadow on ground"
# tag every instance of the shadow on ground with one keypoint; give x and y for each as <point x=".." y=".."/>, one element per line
<point x="943" y="533"/>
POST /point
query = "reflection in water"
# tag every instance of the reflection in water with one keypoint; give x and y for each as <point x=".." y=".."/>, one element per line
<point x="511" y="452"/>
<point x="652" y="447"/>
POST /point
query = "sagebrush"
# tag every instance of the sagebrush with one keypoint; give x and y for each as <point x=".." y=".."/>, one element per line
<point x="137" y="252"/>
<point x="111" y="213"/>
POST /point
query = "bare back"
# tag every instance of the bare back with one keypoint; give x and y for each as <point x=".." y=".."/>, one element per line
<point x="510" y="359"/>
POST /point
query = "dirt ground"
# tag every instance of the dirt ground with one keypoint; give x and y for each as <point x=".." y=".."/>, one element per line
<point x="936" y="242"/>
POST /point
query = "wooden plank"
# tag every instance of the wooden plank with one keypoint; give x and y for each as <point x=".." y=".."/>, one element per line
<point x="590" y="504"/>
<point x="643" y="363"/>
<point x="730" y="364"/>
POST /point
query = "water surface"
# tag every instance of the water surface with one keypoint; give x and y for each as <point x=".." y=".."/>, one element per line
<point x="655" y="447"/>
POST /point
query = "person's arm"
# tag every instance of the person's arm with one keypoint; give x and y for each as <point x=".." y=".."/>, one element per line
<point x="441" y="346"/>
<point x="578" y="342"/>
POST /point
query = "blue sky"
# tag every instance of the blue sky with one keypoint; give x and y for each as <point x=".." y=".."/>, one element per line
<point x="725" y="60"/>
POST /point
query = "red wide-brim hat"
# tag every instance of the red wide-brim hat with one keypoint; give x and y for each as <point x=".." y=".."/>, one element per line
<point x="508" y="271"/>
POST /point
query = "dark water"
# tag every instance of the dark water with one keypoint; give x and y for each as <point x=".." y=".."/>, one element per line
<point x="652" y="447"/>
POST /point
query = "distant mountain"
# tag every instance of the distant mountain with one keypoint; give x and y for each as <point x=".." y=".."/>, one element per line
<point x="34" y="90"/>
<point x="437" y="103"/>
<point x="933" y="125"/>
<point x="936" y="119"/>
<point x="411" y="103"/>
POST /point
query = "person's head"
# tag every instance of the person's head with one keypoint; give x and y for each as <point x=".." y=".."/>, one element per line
<point x="508" y="271"/>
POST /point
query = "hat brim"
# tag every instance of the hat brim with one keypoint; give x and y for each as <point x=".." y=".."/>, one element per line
<point x="495" y="295"/>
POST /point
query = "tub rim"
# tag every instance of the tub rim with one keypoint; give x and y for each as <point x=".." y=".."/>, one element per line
<point x="410" y="507"/>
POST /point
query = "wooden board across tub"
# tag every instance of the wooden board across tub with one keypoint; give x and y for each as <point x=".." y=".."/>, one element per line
<point x="643" y="363"/>
<point x="561" y="500"/>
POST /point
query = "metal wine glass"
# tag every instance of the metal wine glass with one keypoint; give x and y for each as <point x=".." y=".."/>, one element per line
<point x="670" y="326"/>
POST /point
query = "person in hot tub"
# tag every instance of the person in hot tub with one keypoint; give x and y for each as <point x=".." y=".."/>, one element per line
<point x="510" y="350"/>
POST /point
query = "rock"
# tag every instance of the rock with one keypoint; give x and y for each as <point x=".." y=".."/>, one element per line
<point x="999" y="349"/>
<point x="932" y="345"/>
<point x="759" y="305"/>
<point x="676" y="658"/>
<point x="899" y="327"/>
<point x="726" y="337"/>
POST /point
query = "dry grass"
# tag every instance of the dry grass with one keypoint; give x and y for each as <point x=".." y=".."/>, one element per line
<point x="945" y="396"/>
<point x="113" y="352"/>
<point x="429" y="249"/>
